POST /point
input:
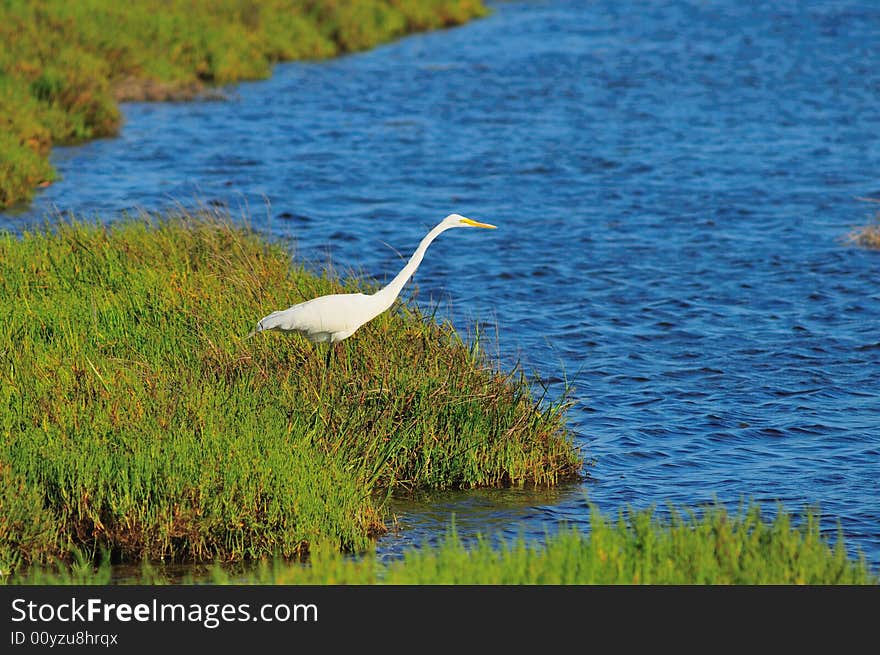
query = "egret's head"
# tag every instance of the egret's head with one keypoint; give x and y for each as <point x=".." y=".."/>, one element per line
<point x="457" y="220"/>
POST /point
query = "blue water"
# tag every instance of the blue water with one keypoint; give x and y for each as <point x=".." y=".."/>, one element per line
<point x="673" y="184"/>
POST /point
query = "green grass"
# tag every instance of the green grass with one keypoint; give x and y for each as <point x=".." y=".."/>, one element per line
<point x="135" y="417"/>
<point x="712" y="547"/>
<point x="64" y="65"/>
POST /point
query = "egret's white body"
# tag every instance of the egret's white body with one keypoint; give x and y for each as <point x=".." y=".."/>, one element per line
<point x="320" y="320"/>
<point x="330" y="319"/>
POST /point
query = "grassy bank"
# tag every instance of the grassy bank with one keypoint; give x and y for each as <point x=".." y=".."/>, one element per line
<point x="136" y="418"/>
<point x="65" y="65"/>
<point x="639" y="548"/>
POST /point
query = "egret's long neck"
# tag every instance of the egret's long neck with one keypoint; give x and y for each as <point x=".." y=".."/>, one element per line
<point x="388" y="293"/>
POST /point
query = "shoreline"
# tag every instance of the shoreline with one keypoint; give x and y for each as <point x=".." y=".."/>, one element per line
<point x="708" y="546"/>
<point x="66" y="67"/>
<point x="135" y="89"/>
<point x="140" y="421"/>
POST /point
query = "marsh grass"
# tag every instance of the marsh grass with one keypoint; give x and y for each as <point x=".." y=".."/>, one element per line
<point x="706" y="547"/>
<point x="64" y="65"/>
<point x="137" y="419"/>
<point x="868" y="235"/>
<point x="710" y="546"/>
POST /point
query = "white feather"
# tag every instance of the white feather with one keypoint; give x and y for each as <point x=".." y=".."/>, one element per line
<point x="336" y="317"/>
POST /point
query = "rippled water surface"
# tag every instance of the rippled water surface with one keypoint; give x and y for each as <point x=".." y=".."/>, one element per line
<point x="673" y="185"/>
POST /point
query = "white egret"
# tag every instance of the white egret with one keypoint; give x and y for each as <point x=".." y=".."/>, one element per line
<point x="330" y="319"/>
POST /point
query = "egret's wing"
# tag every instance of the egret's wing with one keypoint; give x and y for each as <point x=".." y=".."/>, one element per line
<point x="327" y="314"/>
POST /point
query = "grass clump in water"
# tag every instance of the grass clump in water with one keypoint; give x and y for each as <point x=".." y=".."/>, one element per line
<point x="135" y="418"/>
<point x="868" y="236"/>
<point x="65" y="65"/>
<point x="639" y="548"/>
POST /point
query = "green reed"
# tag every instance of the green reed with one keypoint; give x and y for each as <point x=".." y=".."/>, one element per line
<point x="137" y="418"/>
<point x="710" y="546"/>
<point x="64" y="65"/>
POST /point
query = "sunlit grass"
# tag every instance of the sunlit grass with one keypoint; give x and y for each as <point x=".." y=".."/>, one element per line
<point x="64" y="65"/>
<point x="136" y="418"/>
<point x="709" y="547"/>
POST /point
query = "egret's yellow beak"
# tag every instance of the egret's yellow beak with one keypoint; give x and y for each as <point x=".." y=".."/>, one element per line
<point x="468" y="221"/>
